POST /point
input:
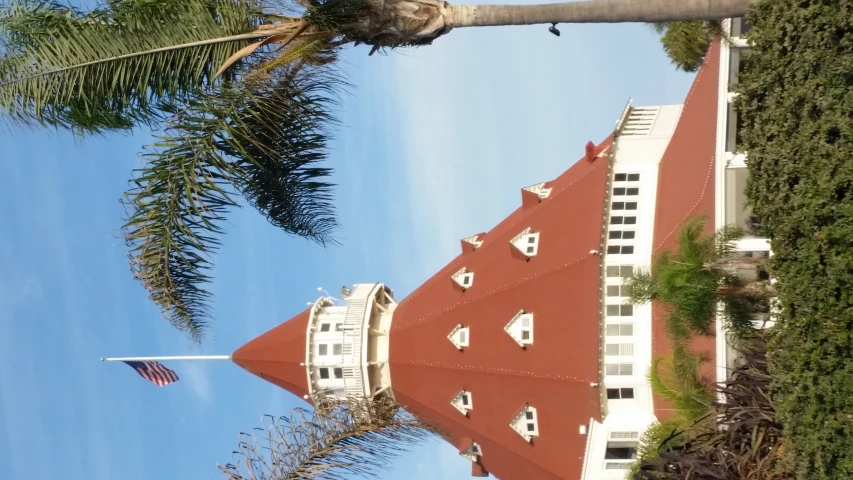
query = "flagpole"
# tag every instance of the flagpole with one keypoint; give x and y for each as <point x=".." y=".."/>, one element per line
<point x="184" y="357"/>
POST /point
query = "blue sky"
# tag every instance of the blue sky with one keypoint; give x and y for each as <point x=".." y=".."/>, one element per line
<point x="436" y="144"/>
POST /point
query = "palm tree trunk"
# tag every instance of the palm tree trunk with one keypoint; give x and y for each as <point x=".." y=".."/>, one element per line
<point x="594" y="11"/>
<point x="398" y="23"/>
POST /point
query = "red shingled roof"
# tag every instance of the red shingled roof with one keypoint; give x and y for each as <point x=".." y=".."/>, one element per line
<point x="560" y="287"/>
<point x="277" y="354"/>
<point x="686" y="173"/>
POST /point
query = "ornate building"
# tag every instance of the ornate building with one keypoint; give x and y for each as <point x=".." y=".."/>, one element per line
<point x="523" y="347"/>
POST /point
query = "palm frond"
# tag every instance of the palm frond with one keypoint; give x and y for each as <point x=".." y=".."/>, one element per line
<point x="110" y="67"/>
<point x="642" y="287"/>
<point x="260" y="140"/>
<point x="724" y="240"/>
<point x="278" y="172"/>
<point x="357" y="437"/>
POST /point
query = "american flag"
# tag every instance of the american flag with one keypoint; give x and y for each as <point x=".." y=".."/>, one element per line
<point x="154" y="372"/>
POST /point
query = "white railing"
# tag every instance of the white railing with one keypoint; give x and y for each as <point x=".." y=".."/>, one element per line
<point x="351" y="348"/>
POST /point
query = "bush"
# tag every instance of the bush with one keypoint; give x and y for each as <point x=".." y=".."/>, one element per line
<point x="742" y="439"/>
<point x="796" y="99"/>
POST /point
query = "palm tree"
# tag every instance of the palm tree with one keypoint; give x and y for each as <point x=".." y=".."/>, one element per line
<point x="244" y="93"/>
<point x="353" y="437"/>
<point x="704" y="271"/>
<point x="686" y="42"/>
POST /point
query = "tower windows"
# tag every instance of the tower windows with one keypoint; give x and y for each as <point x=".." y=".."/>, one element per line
<point x="338" y="372"/>
<point x="618" y="290"/>
<point x="623" y="220"/>
<point x="626" y="177"/>
<point x="324" y="373"/>
<point x="619" y="369"/>
<point x="619" y="271"/>
<point x="625" y="393"/>
<point x="325" y="327"/>
<point x="626" y="191"/>
<point x="619" y="310"/>
<point x="620" y="249"/>
<point x="526" y="423"/>
<point x="520" y="328"/>
<point x="621" y="234"/>
<point x="323" y="349"/>
<point x="619" y="349"/>
<point x="459" y="336"/>
<point x="619" y="330"/>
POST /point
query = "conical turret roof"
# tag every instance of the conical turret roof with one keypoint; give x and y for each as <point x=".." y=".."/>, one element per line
<point x="278" y="355"/>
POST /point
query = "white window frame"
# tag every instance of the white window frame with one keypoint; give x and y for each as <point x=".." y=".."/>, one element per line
<point x="621" y="250"/>
<point x="622" y="191"/>
<point x="618" y="464"/>
<point x="526" y="240"/>
<point x="621" y="368"/>
<point x="320" y="373"/>
<point x="618" y="239"/>
<point x="625" y="436"/>
<point x="460" y="336"/>
<point x="631" y="178"/>
<point x="516" y="328"/>
<point x="621" y="271"/>
<point x="322" y="349"/>
<point x="619" y="327"/>
<point x="325" y="327"/>
<point x="622" y="290"/>
<point x="458" y="402"/>
<point x="621" y="395"/>
<point x="336" y="371"/>
<point x="622" y="220"/>
<point x="520" y="423"/>
<point x="623" y="349"/>
<point x="622" y="307"/>
<point x="339" y="326"/>
<point x="461" y="276"/>
<point x="337" y="349"/>
<point x="623" y="206"/>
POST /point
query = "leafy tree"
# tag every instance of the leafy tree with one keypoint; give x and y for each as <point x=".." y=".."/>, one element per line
<point x="355" y="437"/>
<point x="244" y="93"/>
<point x="795" y="101"/>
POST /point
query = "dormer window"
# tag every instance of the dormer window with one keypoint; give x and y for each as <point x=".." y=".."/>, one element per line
<point x="527" y="242"/>
<point x="474" y="240"/>
<point x="464" y="278"/>
<point x="462" y="402"/>
<point x="540" y="190"/>
<point x="459" y="336"/>
<point x="526" y="423"/>
<point x="520" y="328"/>
<point x="473" y="452"/>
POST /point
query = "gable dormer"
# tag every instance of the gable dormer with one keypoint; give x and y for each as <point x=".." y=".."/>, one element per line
<point x="463" y="402"/>
<point x="534" y="194"/>
<point x="526" y="423"/>
<point x="459" y="336"/>
<point x="526" y="242"/>
<point x="472" y="452"/>
<point x="463" y="278"/>
<point x="469" y="244"/>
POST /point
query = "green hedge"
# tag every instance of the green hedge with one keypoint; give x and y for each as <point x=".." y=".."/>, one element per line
<point x="796" y="102"/>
